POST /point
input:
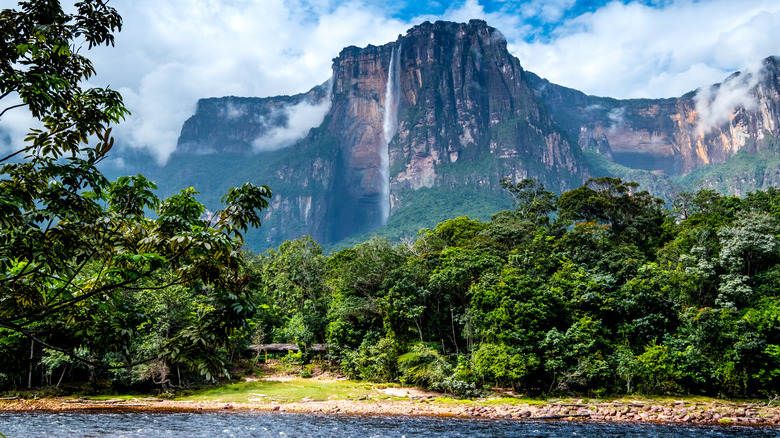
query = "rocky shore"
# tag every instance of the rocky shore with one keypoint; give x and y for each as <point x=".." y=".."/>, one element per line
<point x="678" y="412"/>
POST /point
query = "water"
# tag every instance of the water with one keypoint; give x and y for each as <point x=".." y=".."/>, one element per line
<point x="252" y="424"/>
<point x="389" y="128"/>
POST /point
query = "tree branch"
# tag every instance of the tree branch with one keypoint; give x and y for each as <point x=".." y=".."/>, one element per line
<point x="6" y="158"/>
<point x="12" y="107"/>
<point x="70" y="353"/>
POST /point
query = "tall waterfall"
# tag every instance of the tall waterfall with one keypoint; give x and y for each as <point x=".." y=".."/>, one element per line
<point x="389" y="128"/>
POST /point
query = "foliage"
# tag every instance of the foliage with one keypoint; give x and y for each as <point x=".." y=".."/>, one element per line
<point x="424" y="366"/>
<point x="629" y="297"/>
<point x="79" y="258"/>
<point x="533" y="202"/>
<point x="500" y="365"/>
<point x="615" y="294"/>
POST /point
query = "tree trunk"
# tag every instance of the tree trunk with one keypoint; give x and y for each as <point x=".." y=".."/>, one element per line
<point x="61" y="376"/>
<point x="32" y="356"/>
<point x="454" y="338"/>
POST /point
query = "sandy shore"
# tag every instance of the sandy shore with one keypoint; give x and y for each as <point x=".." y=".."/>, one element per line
<point x="680" y="412"/>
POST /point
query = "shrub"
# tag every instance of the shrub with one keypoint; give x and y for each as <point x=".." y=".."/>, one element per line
<point x="424" y="366"/>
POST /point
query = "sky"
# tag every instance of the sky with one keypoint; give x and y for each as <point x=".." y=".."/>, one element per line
<point x="170" y="53"/>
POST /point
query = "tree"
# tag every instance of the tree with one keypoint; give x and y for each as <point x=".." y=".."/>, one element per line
<point x="42" y="70"/>
<point x="499" y="364"/>
<point x="74" y="246"/>
<point x="293" y="282"/>
<point x="533" y="202"/>
<point x="633" y="216"/>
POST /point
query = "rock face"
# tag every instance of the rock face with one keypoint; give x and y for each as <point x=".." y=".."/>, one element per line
<point x="442" y="107"/>
<point x="465" y="104"/>
<point x="242" y="124"/>
<point x="461" y="101"/>
<point x="673" y="136"/>
<point x="442" y="114"/>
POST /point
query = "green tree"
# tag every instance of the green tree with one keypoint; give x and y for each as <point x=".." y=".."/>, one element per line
<point x="424" y="365"/>
<point x="71" y="243"/>
<point x="359" y="277"/>
<point x="631" y="214"/>
<point x="531" y="200"/>
<point x="499" y="364"/>
<point x="293" y="282"/>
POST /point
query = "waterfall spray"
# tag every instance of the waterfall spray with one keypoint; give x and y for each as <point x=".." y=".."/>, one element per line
<point x="389" y="128"/>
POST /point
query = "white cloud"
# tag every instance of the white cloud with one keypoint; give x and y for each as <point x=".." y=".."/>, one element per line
<point x="634" y="50"/>
<point x="617" y="116"/>
<point x="715" y="104"/>
<point x="170" y="53"/>
<point x="301" y="118"/>
<point x="547" y="10"/>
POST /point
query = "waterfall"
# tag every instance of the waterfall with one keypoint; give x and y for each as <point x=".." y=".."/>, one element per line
<point x="389" y="128"/>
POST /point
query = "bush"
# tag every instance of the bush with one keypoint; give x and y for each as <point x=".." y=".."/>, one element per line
<point x="463" y="382"/>
<point x="424" y="366"/>
<point x="374" y="362"/>
<point x="656" y="371"/>
<point x="293" y="358"/>
<point x="499" y="365"/>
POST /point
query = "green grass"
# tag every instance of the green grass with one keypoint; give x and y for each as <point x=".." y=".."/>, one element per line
<point x="297" y="389"/>
<point x="289" y="391"/>
<point x="115" y="397"/>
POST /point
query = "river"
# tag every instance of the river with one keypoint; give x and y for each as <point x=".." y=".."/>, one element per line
<point x="252" y="424"/>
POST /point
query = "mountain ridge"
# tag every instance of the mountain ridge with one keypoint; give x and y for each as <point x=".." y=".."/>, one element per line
<point x="463" y="114"/>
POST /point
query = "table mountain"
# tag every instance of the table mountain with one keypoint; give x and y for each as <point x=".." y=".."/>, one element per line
<point x="423" y="128"/>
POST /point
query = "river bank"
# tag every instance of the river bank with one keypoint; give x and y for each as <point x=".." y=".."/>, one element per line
<point x="724" y="413"/>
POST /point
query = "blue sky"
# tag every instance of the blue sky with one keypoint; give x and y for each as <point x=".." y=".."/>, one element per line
<point x="541" y="16"/>
<point x="173" y="52"/>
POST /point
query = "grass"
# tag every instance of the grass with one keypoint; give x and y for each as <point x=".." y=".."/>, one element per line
<point x="289" y="391"/>
<point x="114" y="397"/>
<point x="321" y="390"/>
<point x="297" y="389"/>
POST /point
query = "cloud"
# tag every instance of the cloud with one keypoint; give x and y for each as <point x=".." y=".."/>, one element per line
<point x="634" y="50"/>
<point x="617" y="116"/>
<point x="715" y="104"/>
<point x="300" y="118"/>
<point x="171" y="53"/>
<point x="547" y="10"/>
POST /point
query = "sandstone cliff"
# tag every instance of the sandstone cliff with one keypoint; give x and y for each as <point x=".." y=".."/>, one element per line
<point x="673" y="136"/>
<point x="460" y="112"/>
<point x="422" y="129"/>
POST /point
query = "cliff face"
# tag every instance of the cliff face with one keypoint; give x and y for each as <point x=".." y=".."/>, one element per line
<point x="427" y="125"/>
<point x="444" y="106"/>
<point x="465" y="101"/>
<point x="673" y="136"/>
<point x="244" y="124"/>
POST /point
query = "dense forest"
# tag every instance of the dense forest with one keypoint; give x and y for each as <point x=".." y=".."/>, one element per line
<point x="600" y="290"/>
